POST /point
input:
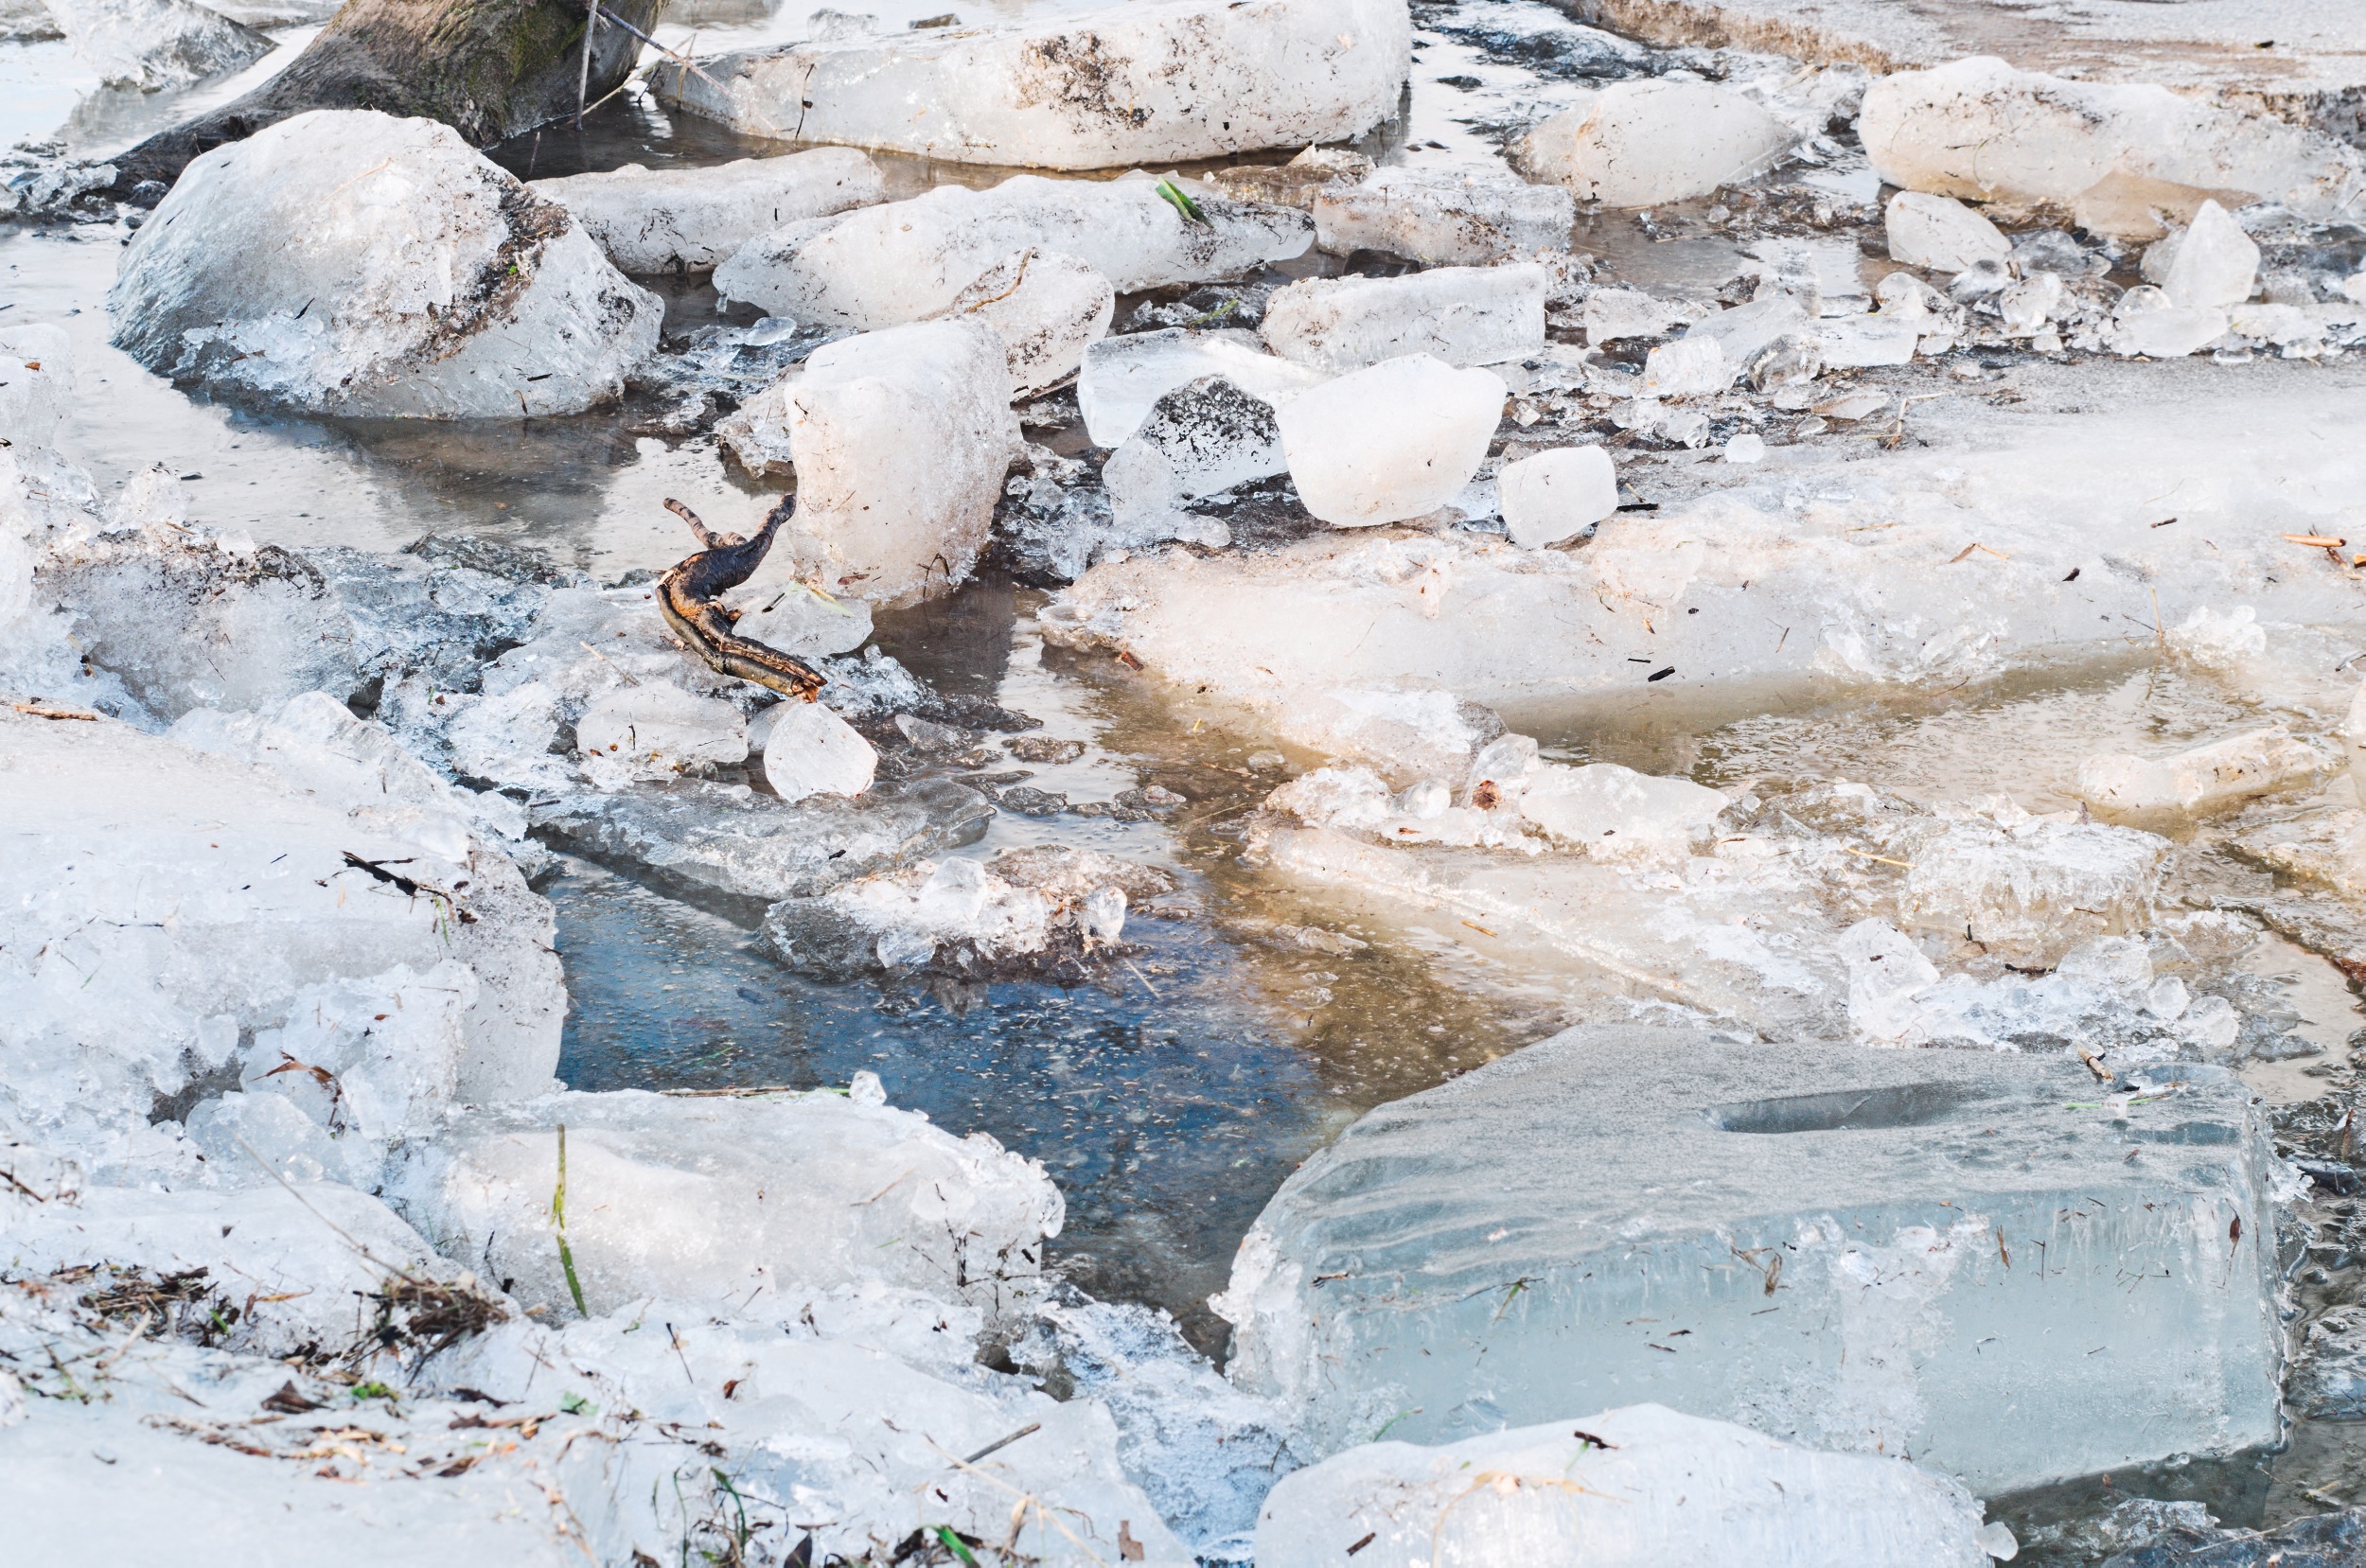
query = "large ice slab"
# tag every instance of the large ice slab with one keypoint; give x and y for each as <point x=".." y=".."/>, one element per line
<point x="651" y="221"/>
<point x="348" y="262"/>
<point x="1636" y="144"/>
<point x="1463" y="315"/>
<point x="730" y="1202"/>
<point x="909" y="260"/>
<point x="1149" y="84"/>
<point x="1864" y="1251"/>
<point x="1443" y="217"/>
<point x="1625" y="1489"/>
<point x="902" y="439"/>
<point x="1978" y="128"/>
<point x="1862" y="560"/>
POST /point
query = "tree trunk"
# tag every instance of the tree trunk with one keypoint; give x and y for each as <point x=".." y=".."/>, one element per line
<point x="487" y="68"/>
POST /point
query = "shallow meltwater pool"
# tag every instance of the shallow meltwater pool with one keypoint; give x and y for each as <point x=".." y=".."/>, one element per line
<point x="1168" y="1096"/>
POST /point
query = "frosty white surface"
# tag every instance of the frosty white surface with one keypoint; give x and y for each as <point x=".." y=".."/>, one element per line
<point x="840" y="1415"/>
<point x="810" y="750"/>
<point x="150" y="44"/>
<point x="1394" y="441"/>
<point x="276" y="1256"/>
<point x="654" y="729"/>
<point x="650" y="221"/>
<point x="1621" y="1489"/>
<point x="902" y="439"/>
<point x="2257" y="762"/>
<point x="1123" y="378"/>
<point x="1443" y="217"/>
<point x="909" y="260"/>
<point x="188" y="619"/>
<point x="1635" y="144"/>
<point x="1148" y="84"/>
<point x="1407" y="733"/>
<point x="1463" y="315"/>
<point x="1204" y="437"/>
<point x="1978" y="128"/>
<point x="268" y="891"/>
<point x="1614" y="813"/>
<point x="1468" y="1283"/>
<point x="1554" y="495"/>
<point x="345" y="261"/>
<point x="735" y="1204"/>
<point x="1940" y="232"/>
<point x="1046" y="307"/>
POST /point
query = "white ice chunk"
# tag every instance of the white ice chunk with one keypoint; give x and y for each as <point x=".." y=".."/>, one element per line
<point x="151" y="45"/>
<point x="36" y="382"/>
<point x="348" y="262"/>
<point x="1147" y="84"/>
<point x="1123" y="378"/>
<point x="1940" y="232"/>
<point x="1396" y="441"/>
<point x="956" y="911"/>
<point x="1694" y="366"/>
<point x="651" y="221"/>
<point x="1463" y="315"/>
<point x="654" y="729"/>
<point x="2257" y="762"/>
<point x="1556" y="495"/>
<point x="2145" y="323"/>
<point x="1636" y="144"/>
<point x="1443" y="217"/>
<point x="2030" y="892"/>
<point x="1204" y="437"/>
<point x="1614" y="813"/>
<point x="902" y="439"/>
<point x="2217" y="263"/>
<point x="2027" y="306"/>
<point x="1978" y="128"/>
<point x="1633" y="1488"/>
<point x="1047" y="309"/>
<point x="810" y="750"/>
<point x="909" y="260"/>
<point x="1853" y="342"/>
<point x="728" y="1203"/>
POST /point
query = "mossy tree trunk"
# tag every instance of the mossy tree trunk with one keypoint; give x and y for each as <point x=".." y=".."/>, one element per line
<point x="487" y="68"/>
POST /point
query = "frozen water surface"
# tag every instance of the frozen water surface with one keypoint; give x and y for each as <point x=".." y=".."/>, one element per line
<point x="1170" y="1093"/>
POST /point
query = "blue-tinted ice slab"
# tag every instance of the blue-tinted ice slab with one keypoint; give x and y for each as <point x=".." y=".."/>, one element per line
<point x="1989" y="1263"/>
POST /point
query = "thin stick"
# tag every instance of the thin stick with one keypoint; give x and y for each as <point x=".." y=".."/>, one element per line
<point x="583" y="80"/>
<point x="684" y="60"/>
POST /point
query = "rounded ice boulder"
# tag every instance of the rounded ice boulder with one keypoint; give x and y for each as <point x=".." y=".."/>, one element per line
<point x="1393" y="442"/>
<point x="350" y="262"/>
